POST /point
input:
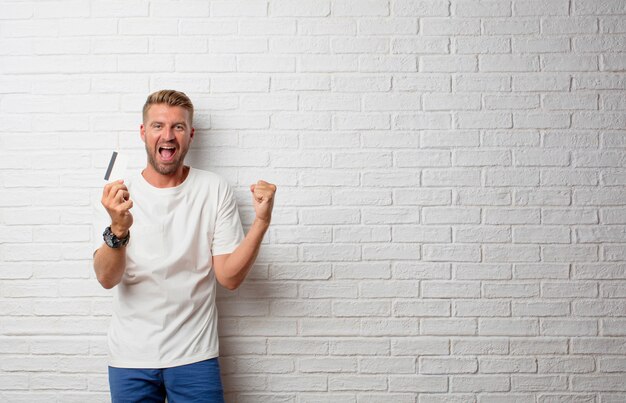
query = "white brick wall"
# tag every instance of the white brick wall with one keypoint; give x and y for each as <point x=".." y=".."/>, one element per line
<point x="450" y="224"/>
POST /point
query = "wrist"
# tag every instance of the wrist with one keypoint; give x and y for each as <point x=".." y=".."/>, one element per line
<point x="261" y="222"/>
<point x="119" y="231"/>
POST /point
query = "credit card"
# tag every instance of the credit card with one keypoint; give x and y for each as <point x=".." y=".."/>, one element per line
<point x="117" y="167"/>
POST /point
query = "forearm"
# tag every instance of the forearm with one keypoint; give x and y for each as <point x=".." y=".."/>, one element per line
<point x="241" y="259"/>
<point x="109" y="265"/>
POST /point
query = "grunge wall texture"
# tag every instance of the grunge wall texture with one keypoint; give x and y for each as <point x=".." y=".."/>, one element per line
<point x="450" y="221"/>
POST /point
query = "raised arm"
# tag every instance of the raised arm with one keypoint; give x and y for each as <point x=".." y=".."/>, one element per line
<point x="231" y="269"/>
<point x="109" y="263"/>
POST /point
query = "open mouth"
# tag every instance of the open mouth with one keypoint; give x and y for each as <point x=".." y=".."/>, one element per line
<point x="167" y="153"/>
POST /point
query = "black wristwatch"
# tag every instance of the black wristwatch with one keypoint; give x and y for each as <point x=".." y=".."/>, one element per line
<point x="112" y="240"/>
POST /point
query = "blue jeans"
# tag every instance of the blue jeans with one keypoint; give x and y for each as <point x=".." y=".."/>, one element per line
<point x="199" y="382"/>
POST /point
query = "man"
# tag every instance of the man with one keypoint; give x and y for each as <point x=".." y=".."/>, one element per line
<point x="164" y="257"/>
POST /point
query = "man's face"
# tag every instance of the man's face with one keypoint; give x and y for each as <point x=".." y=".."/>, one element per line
<point x="167" y="133"/>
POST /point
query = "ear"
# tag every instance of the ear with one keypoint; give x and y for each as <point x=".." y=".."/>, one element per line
<point x="142" y="131"/>
<point x="193" y="131"/>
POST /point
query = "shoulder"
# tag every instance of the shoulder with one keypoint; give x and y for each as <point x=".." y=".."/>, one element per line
<point x="210" y="178"/>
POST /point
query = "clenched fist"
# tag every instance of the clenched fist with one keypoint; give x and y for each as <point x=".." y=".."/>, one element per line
<point x="116" y="200"/>
<point x="263" y="199"/>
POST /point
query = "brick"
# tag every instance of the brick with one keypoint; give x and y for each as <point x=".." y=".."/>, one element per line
<point x="430" y="120"/>
<point x="546" y="345"/>
<point x="481" y="158"/>
<point x="540" y="271"/>
<point x="510" y="290"/>
<point x="571" y="178"/>
<point x="454" y="326"/>
<point x="511" y="26"/>
<point x="421" y="8"/>
<point x="418" y="383"/>
<point x="575" y="253"/>
<point x="457" y="253"/>
<point x="422" y="45"/>
<point x="479" y="383"/>
<point x="422" y="158"/>
<point x="450" y="26"/>
<point x="356" y="8"/>
<point x="594" y="383"/>
<point x="307" y="8"/>
<point x="540" y="309"/>
<point x="390" y="102"/>
<point x="437" y="102"/>
<point x="506" y="63"/>
<point x="451" y="177"/>
<point x="537" y="7"/>
<point x="236" y="9"/>
<point x="569" y="25"/>
<point x="506" y="102"/>
<point x="260" y="26"/>
<point x="288" y="383"/>
<point x="361" y="83"/>
<point x="326" y="27"/>
<point x="569" y="63"/>
<point x="361" y="308"/>
<point x="598" y="308"/>
<point x="541" y="234"/>
<point x="448" y="63"/>
<point x="482" y="45"/>
<point x="495" y="365"/>
<point x="531" y="383"/>
<point x="416" y="233"/>
<point x="504" y="327"/>
<point x="613" y="290"/>
<point x="480" y="345"/>
<point x="565" y="364"/>
<point x="483" y="120"/>
<point x="389" y="289"/>
<point x="387" y="365"/>
<point x="189" y="9"/>
<point x="415" y="271"/>
<point x="327" y="365"/>
<point x="451" y="215"/>
<point x="384" y="64"/>
<point x="361" y="234"/>
<point x="387" y="26"/>
<point x="365" y="270"/>
<point x="481" y="308"/>
<point x="477" y="8"/>
<point x="585" y="7"/>
<point x="511" y="177"/>
<point x="421" y="308"/>
<point x="613" y="364"/>
<point x="568" y="327"/>
<point x="365" y="346"/>
<point x="473" y="197"/>
<point x="447" y="365"/>
<point x="277" y="346"/>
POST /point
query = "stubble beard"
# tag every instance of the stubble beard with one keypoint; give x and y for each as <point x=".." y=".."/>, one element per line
<point x="168" y="169"/>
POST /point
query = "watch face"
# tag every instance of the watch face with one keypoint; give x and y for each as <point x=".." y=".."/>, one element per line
<point x="110" y="239"/>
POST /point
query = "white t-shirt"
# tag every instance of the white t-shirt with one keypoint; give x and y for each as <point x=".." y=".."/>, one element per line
<point x="164" y="311"/>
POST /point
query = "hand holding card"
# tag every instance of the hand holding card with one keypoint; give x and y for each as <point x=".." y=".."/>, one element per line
<point x="115" y="197"/>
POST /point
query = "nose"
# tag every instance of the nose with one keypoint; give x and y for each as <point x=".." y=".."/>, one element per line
<point x="168" y="135"/>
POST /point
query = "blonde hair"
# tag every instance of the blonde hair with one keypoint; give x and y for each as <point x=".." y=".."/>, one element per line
<point x="171" y="98"/>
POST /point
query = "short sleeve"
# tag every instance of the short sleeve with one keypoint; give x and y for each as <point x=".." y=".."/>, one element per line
<point x="228" y="230"/>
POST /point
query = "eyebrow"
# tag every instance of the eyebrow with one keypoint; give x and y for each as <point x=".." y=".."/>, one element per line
<point x="156" y="122"/>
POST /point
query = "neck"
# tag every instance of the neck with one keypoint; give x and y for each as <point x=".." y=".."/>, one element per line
<point x="165" y="181"/>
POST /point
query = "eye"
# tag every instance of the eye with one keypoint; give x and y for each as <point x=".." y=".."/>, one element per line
<point x="179" y="127"/>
